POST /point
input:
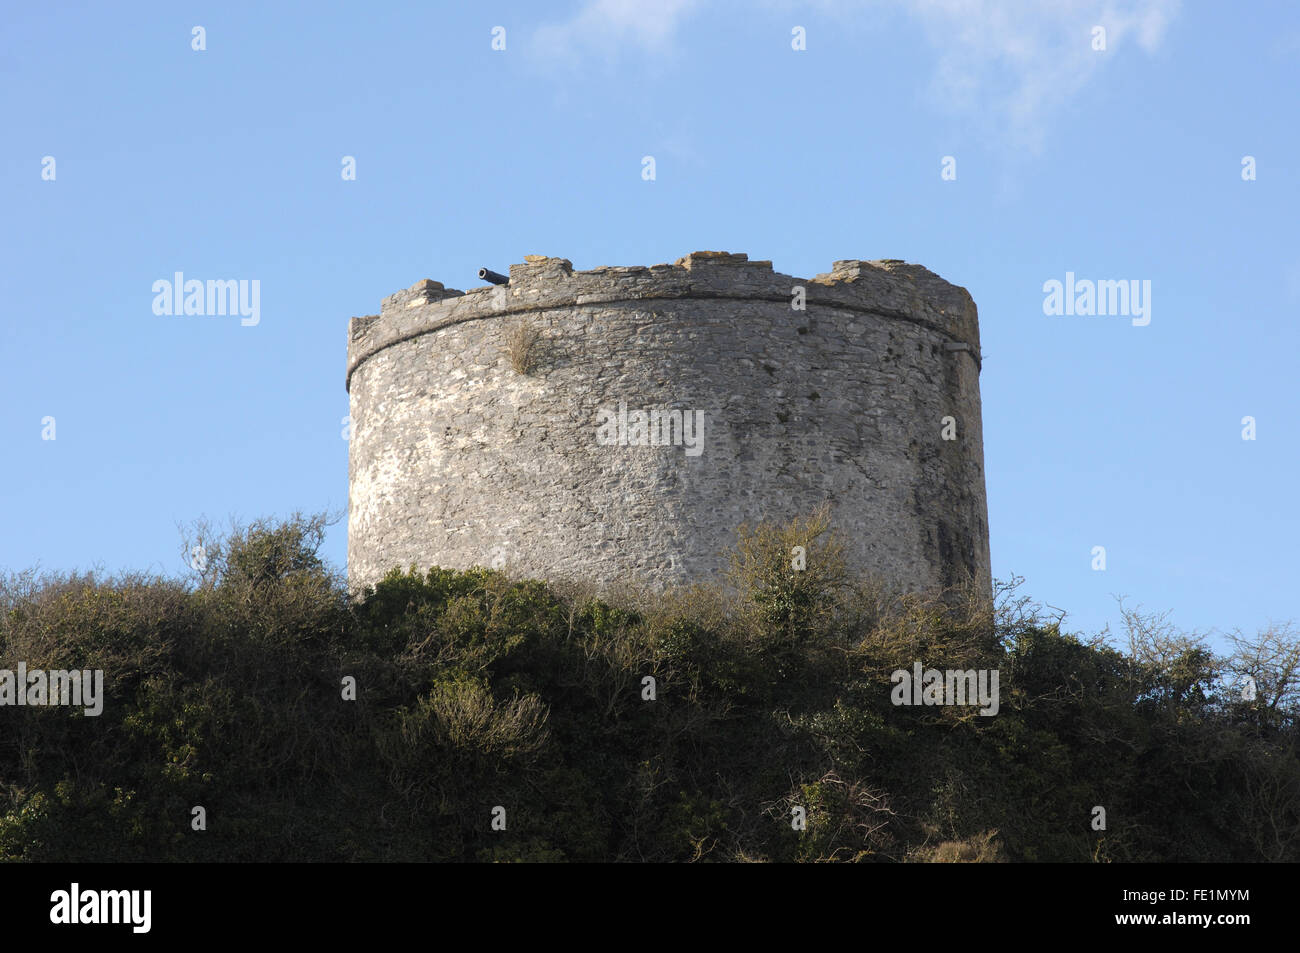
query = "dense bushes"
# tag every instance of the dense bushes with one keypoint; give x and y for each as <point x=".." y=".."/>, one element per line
<point x="694" y="725"/>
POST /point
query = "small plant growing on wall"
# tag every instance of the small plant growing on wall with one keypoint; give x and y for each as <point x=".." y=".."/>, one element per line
<point x="522" y="347"/>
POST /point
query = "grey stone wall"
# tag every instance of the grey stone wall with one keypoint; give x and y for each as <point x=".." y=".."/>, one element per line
<point x="457" y="460"/>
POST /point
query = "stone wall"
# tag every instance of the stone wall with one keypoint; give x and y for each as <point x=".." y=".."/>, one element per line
<point x="456" y="459"/>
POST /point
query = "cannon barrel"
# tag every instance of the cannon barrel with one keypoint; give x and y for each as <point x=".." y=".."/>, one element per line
<point x="487" y="274"/>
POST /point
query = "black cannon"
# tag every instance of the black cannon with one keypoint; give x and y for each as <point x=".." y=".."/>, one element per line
<point x="487" y="274"/>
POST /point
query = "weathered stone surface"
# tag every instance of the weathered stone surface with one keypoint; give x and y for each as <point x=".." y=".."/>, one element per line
<point x="458" y="460"/>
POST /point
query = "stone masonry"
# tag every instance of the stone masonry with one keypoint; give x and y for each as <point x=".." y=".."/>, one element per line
<point x="457" y="460"/>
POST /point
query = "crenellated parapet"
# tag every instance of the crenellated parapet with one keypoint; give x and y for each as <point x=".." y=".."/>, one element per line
<point x="889" y="288"/>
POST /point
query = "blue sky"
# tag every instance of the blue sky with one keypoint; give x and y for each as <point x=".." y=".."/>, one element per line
<point x="226" y="163"/>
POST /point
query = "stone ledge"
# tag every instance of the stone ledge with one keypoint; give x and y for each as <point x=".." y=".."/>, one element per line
<point x="889" y="288"/>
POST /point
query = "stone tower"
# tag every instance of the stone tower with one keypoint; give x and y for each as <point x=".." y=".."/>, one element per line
<point x="667" y="405"/>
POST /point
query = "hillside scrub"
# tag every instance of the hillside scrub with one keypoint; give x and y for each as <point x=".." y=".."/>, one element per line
<point x="694" y="725"/>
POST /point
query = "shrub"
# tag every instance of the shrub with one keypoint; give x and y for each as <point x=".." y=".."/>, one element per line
<point x="522" y="341"/>
<point x="475" y="691"/>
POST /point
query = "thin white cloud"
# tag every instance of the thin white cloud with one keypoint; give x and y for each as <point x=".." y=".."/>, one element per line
<point x="1018" y="63"/>
<point x="609" y="26"/>
<point x="1009" y="63"/>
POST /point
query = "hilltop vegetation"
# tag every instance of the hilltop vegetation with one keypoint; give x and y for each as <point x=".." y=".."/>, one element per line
<point x="475" y="691"/>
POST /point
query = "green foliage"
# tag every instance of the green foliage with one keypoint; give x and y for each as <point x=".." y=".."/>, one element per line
<point x="476" y="691"/>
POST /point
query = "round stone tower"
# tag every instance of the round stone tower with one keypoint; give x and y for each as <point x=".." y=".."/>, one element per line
<point x="657" y="410"/>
